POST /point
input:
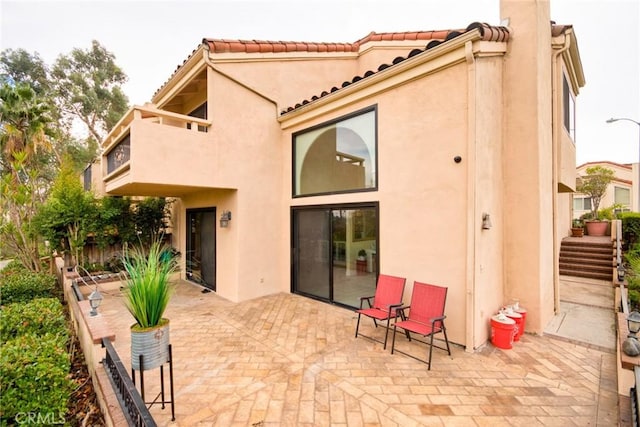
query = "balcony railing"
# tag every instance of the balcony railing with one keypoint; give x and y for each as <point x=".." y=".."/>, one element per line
<point x="153" y="115"/>
<point x="146" y="137"/>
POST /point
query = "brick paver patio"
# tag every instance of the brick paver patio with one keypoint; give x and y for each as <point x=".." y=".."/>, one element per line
<point x="286" y="360"/>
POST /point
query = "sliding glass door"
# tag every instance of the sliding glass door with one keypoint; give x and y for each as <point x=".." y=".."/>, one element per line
<point x="335" y="252"/>
<point x="201" y="247"/>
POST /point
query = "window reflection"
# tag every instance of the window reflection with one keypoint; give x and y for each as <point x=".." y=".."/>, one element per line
<point x="336" y="157"/>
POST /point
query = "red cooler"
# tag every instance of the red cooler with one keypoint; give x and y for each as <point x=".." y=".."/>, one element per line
<point x="502" y="329"/>
<point x="519" y="329"/>
<point x="523" y="313"/>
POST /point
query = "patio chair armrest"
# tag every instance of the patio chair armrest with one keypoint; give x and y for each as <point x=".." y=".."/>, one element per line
<point x="400" y="308"/>
<point x="368" y="299"/>
<point x="395" y="307"/>
<point x="438" y="318"/>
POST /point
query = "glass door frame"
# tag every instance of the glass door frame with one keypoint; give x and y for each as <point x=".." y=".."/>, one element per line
<point x="294" y="235"/>
<point x="188" y="242"/>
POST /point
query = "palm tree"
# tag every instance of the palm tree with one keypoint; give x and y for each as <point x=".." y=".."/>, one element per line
<point x="25" y="151"/>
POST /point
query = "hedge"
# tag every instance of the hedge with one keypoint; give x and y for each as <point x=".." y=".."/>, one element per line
<point x="35" y="385"/>
<point x="17" y="284"/>
<point x="630" y="228"/>
<point x="34" y="377"/>
<point x="38" y="317"/>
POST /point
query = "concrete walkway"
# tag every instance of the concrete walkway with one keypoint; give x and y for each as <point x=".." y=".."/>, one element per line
<point x="286" y="360"/>
<point x="587" y="313"/>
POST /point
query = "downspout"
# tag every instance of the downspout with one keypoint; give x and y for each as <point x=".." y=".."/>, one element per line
<point x="207" y="60"/>
<point x="554" y="168"/>
<point x="470" y="290"/>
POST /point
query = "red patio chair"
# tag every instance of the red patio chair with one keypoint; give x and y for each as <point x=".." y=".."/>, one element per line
<point x="426" y="317"/>
<point x="387" y="299"/>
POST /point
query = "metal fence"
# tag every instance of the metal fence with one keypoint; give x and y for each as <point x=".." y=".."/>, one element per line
<point x="132" y="404"/>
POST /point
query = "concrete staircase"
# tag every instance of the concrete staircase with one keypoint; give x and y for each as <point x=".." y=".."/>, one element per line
<point x="592" y="258"/>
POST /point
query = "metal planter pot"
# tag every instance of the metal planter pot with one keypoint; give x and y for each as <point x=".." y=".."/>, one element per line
<point x="152" y="344"/>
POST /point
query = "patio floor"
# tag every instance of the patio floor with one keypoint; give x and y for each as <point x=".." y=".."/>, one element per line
<point x="287" y="360"/>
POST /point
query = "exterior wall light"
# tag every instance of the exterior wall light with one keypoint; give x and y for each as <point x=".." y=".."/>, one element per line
<point x="621" y="273"/>
<point x="486" y="221"/>
<point x="224" y="219"/>
<point x="631" y="345"/>
<point x="95" y="299"/>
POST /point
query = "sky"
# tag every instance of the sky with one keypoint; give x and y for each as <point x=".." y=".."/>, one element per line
<point x="150" y="39"/>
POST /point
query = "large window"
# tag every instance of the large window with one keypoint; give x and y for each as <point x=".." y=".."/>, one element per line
<point x="336" y="157"/>
<point x="581" y="203"/>
<point x="569" y="109"/>
<point x="622" y="196"/>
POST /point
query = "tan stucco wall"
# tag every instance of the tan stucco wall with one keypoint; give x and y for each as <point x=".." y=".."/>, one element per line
<point x="423" y="223"/>
<point x="374" y="54"/>
<point x="274" y="78"/>
<point x="486" y="279"/>
<point x="529" y="189"/>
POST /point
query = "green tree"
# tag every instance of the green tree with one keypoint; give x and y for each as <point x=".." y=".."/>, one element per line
<point x="19" y="66"/>
<point x="116" y="221"/>
<point x="69" y="214"/>
<point x="594" y="184"/>
<point x="88" y="87"/>
<point x="37" y="107"/>
<point x="151" y="216"/>
<point x="25" y="168"/>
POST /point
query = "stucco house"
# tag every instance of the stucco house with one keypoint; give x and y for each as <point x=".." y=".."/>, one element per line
<point x="445" y="157"/>
<point x="620" y="192"/>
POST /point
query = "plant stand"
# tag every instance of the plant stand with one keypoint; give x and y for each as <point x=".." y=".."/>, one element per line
<point x="161" y="394"/>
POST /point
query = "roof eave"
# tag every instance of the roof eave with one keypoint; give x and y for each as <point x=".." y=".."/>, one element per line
<point x="168" y="89"/>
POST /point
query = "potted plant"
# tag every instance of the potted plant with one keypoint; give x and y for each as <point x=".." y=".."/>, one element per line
<point x="594" y="184"/>
<point x="147" y="295"/>
<point x="577" y="228"/>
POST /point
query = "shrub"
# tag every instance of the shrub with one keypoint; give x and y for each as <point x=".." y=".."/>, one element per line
<point x="39" y="316"/>
<point x="634" y="300"/>
<point x="13" y="267"/>
<point x="17" y="284"/>
<point x="34" y="376"/>
<point x="630" y="227"/>
<point x="114" y="264"/>
<point x="93" y="267"/>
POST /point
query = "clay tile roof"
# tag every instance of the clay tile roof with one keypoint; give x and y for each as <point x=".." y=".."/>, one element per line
<point x="264" y="46"/>
<point x="487" y="33"/>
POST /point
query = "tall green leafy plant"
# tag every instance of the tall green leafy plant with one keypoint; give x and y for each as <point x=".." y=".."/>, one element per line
<point x="69" y="214"/>
<point x="148" y="288"/>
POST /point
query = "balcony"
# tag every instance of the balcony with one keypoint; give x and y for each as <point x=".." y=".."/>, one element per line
<point x="151" y="152"/>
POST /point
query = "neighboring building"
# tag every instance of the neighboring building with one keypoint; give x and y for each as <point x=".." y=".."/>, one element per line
<point x="441" y="156"/>
<point x="620" y="192"/>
